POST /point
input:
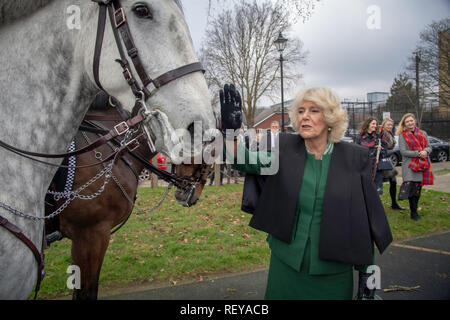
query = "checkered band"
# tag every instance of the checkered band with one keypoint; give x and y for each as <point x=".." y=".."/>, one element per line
<point x="71" y="171"/>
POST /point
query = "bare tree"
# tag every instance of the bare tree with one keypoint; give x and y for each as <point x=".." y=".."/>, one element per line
<point x="239" y="48"/>
<point x="301" y="8"/>
<point x="434" y="65"/>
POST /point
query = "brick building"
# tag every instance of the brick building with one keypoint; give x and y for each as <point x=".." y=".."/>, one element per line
<point x="265" y="117"/>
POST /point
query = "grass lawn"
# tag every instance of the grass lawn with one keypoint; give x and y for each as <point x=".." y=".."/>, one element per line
<point x="175" y="243"/>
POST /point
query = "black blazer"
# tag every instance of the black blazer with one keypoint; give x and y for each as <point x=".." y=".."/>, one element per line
<point x="353" y="216"/>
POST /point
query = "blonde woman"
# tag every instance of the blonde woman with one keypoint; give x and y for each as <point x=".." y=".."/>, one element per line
<point x="320" y="209"/>
<point x="416" y="165"/>
<point x="388" y="142"/>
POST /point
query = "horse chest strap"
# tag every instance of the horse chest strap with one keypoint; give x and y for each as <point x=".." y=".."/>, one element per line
<point x="37" y="255"/>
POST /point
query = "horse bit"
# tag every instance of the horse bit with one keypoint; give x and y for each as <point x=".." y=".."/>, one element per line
<point x="140" y="114"/>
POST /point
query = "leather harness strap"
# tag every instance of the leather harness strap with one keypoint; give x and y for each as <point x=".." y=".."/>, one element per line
<point x="118" y="130"/>
<point x="177" y="73"/>
<point x="98" y="43"/>
<point x="99" y="117"/>
<point x="38" y="256"/>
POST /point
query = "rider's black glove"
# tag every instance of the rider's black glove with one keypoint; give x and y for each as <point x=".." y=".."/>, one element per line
<point x="364" y="293"/>
<point x="230" y="108"/>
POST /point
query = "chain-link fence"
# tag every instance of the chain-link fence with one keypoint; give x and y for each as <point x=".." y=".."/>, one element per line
<point x="434" y="120"/>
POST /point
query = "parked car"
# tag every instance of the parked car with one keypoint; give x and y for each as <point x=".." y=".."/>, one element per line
<point x="439" y="153"/>
<point x="347" y="139"/>
<point x="352" y="133"/>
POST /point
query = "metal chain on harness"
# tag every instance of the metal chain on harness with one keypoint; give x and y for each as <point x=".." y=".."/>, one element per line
<point x="72" y="195"/>
<point x="98" y="155"/>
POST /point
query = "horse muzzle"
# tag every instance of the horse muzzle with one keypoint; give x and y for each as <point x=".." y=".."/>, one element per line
<point x="187" y="197"/>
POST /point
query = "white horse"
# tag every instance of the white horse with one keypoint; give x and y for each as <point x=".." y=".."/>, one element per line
<point x="46" y="85"/>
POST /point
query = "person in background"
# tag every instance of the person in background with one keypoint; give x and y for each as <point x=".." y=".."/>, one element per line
<point x="212" y="175"/>
<point x="368" y="137"/>
<point x="274" y="131"/>
<point x="416" y="165"/>
<point x="320" y="208"/>
<point x="162" y="161"/>
<point x="388" y="142"/>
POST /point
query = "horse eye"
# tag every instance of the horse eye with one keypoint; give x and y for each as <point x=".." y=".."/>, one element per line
<point x="142" y="10"/>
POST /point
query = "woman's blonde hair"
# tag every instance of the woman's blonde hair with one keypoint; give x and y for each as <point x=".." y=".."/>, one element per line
<point x="385" y="121"/>
<point x="401" y="126"/>
<point x="335" y="116"/>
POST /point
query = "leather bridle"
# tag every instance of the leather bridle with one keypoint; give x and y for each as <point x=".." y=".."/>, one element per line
<point x="121" y="31"/>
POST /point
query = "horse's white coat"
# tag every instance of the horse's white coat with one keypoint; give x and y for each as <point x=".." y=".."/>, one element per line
<point x="46" y="85"/>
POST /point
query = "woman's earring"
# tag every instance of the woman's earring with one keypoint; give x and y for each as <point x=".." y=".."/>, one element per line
<point x="329" y="129"/>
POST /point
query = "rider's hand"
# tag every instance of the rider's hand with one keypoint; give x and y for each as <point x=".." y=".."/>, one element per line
<point x="230" y="108"/>
<point x="364" y="293"/>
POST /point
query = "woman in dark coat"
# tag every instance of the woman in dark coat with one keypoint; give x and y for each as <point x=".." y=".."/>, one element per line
<point x="369" y="138"/>
<point x="317" y="203"/>
<point x="388" y="143"/>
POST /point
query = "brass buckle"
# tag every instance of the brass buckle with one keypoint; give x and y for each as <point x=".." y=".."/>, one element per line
<point x="133" y="145"/>
<point x="121" y="128"/>
<point x="127" y="72"/>
<point x="122" y="16"/>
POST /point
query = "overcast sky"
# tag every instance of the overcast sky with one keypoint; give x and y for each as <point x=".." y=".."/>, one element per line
<point x="344" y="53"/>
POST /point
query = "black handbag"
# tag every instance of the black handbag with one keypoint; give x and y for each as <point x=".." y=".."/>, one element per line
<point x="403" y="194"/>
<point x="385" y="164"/>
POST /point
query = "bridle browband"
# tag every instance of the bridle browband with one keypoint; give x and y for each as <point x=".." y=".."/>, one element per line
<point x="121" y="30"/>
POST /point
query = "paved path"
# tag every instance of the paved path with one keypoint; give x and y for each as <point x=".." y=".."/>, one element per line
<point x="423" y="261"/>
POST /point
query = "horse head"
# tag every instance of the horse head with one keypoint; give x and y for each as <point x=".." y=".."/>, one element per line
<point x="170" y="85"/>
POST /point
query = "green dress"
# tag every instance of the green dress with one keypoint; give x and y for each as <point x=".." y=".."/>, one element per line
<point x="295" y="271"/>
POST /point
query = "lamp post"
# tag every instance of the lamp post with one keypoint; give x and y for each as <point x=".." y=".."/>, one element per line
<point x="280" y="43"/>
<point x="417" y="58"/>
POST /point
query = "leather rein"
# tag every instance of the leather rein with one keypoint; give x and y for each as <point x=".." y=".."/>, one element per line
<point x="141" y="112"/>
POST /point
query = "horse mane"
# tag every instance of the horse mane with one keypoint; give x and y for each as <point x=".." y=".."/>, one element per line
<point x="11" y="10"/>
